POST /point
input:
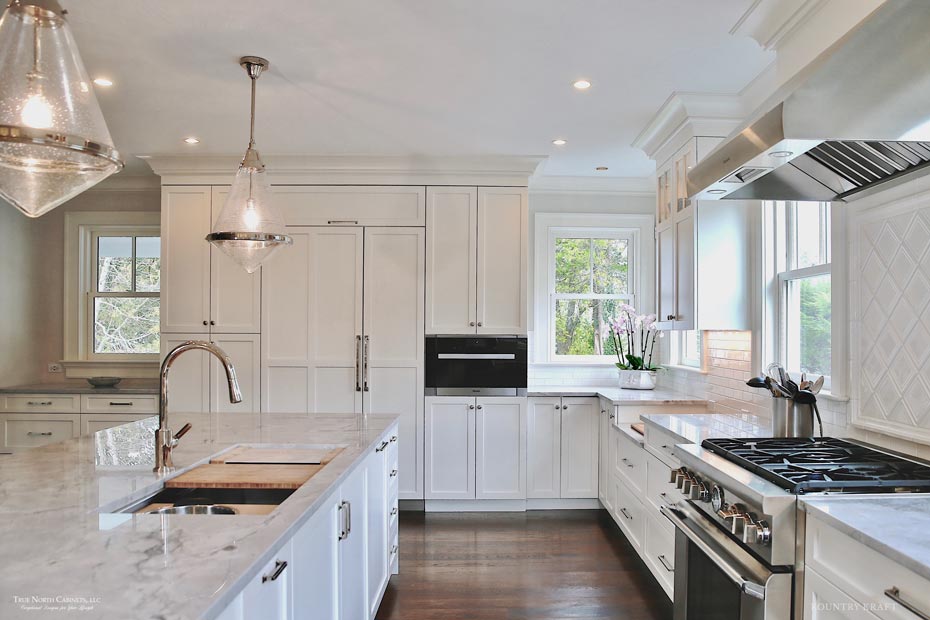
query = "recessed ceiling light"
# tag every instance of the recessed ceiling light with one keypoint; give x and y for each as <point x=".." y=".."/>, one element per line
<point x="144" y="156"/>
<point x="192" y="140"/>
<point x="781" y="154"/>
<point x="716" y="191"/>
<point x="102" y="81"/>
<point x="582" y="84"/>
<point x="559" y="142"/>
<point x="601" y="168"/>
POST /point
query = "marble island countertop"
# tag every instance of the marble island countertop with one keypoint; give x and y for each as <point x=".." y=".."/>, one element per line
<point x="658" y="396"/>
<point x="695" y="428"/>
<point x="126" y="386"/>
<point x="60" y="535"/>
<point x="895" y="525"/>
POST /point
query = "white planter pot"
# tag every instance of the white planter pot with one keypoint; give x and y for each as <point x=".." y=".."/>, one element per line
<point x="637" y="379"/>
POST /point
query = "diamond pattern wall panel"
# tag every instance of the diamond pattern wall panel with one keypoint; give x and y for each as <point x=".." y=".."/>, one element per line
<point x="891" y="260"/>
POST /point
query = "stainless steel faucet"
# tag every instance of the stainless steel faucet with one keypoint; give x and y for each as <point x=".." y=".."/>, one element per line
<point x="164" y="441"/>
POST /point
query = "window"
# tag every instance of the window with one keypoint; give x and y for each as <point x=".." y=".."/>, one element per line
<point x="804" y="287"/>
<point x="687" y="348"/>
<point x="124" y="298"/>
<point x="112" y="292"/>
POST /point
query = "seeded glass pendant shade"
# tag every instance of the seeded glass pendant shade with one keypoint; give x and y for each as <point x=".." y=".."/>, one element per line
<point x="54" y="143"/>
<point x="249" y="228"/>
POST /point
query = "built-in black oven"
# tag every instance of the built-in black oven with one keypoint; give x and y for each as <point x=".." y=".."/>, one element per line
<point x="476" y="366"/>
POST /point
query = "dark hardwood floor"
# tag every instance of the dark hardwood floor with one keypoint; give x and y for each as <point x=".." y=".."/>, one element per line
<point x="540" y="565"/>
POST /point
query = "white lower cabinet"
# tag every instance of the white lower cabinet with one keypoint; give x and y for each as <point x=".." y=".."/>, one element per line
<point x="31" y="430"/>
<point x="605" y="422"/>
<point x="659" y="551"/>
<point x="475" y="448"/>
<point x="562" y="448"/>
<point x="336" y="567"/>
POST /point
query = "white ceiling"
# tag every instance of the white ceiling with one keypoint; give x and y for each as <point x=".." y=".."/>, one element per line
<point x="409" y="77"/>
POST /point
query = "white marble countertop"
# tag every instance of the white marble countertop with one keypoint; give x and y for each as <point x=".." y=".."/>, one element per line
<point x="695" y="428"/>
<point x="895" y="525"/>
<point x="57" y="537"/>
<point x="658" y="396"/>
<point x="126" y="386"/>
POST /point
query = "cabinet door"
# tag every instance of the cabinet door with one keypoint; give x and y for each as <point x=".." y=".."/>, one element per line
<point x="603" y="452"/>
<point x="502" y="255"/>
<point x="185" y="260"/>
<point x="500" y="448"/>
<point x="93" y="422"/>
<point x="450" y="448"/>
<point x="312" y="323"/>
<point x="235" y="295"/>
<point x="268" y="595"/>
<point x="684" y="278"/>
<point x="378" y="545"/>
<point x="392" y="360"/>
<point x="315" y="572"/>
<point x="244" y="350"/>
<point x="189" y="376"/>
<point x="579" y="447"/>
<point x="543" y="447"/>
<point x="684" y="161"/>
<point x="353" y="547"/>
<point x="665" y="275"/>
<point x="451" y="251"/>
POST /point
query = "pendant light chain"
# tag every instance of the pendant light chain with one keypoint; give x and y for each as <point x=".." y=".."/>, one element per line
<point x="252" y="116"/>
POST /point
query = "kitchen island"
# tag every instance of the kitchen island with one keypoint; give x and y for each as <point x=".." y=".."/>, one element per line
<point x="64" y="543"/>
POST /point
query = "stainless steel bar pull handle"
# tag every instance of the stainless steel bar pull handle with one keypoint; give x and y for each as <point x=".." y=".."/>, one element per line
<point x="279" y="566"/>
<point x="118" y="404"/>
<point x="342" y="513"/>
<point x="365" y="360"/>
<point x="35" y="434"/>
<point x="358" y="363"/>
<point x="40" y="403"/>
<point x="348" y="518"/>
<point x="894" y="593"/>
<point x="665" y="563"/>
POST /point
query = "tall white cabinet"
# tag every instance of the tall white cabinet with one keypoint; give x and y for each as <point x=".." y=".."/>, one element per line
<point x="206" y="296"/>
<point x="476" y="260"/>
<point x="343" y="330"/>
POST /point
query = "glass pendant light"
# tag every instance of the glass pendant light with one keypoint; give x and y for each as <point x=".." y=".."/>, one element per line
<point x="250" y="229"/>
<point x="54" y="143"/>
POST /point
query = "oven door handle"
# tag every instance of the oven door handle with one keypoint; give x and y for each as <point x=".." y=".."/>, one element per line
<point x="747" y="586"/>
<point x="476" y="356"/>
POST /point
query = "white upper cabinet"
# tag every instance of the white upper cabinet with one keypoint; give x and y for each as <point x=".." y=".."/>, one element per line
<point x="502" y="256"/>
<point x="203" y="290"/>
<point x="476" y="260"/>
<point x="235" y="295"/>
<point x="452" y="250"/>
<point x="703" y="251"/>
<point x="329" y="205"/>
<point x="185" y="263"/>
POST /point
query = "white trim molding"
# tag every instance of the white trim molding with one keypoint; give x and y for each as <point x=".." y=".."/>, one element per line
<point x="769" y="22"/>
<point x="618" y="186"/>
<point x="497" y="170"/>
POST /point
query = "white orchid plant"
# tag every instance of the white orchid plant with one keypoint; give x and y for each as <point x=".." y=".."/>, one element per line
<point x="634" y="337"/>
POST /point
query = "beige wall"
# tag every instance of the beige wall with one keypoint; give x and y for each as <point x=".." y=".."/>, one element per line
<point x="32" y="281"/>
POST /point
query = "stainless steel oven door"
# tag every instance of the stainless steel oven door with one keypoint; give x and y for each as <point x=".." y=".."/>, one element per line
<point x="716" y="579"/>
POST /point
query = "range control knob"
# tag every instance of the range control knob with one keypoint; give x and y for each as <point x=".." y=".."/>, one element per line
<point x="757" y="533"/>
<point x="717" y="498"/>
<point x="673" y="479"/>
<point x="737" y="520"/>
<point x="699" y="491"/>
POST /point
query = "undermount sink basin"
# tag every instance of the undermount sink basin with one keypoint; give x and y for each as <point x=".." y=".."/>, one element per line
<point x="200" y="509"/>
<point x="212" y="501"/>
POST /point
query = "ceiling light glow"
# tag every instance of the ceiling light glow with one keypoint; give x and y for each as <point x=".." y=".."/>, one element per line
<point x="192" y="140"/>
<point x="559" y="142"/>
<point x="582" y="84"/>
<point x="102" y="81"/>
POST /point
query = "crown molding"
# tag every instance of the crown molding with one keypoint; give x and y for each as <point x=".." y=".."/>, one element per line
<point x="352" y="169"/>
<point x="623" y="186"/>
<point x="771" y="22"/>
<point x="687" y="115"/>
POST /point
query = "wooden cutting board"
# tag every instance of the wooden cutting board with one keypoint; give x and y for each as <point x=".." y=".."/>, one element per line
<point x="244" y="476"/>
<point x="639" y="427"/>
<point x="291" y="456"/>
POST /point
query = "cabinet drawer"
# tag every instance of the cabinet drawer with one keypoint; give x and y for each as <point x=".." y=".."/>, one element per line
<point x="659" y="491"/>
<point x="114" y="403"/>
<point x="863" y="573"/>
<point x="659" y="552"/>
<point x="48" y="403"/>
<point x="630" y="515"/>
<point x="630" y="462"/>
<point x="30" y="430"/>
<point x="824" y="601"/>
<point x="662" y="444"/>
<point x="91" y="423"/>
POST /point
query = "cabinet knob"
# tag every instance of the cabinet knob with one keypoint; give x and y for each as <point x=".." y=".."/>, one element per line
<point x="212" y="322"/>
<point x="479" y="407"/>
<point x="479" y="323"/>
<point x="557" y="407"/>
<point x="204" y="322"/>
<point x="471" y="406"/>
<point x="471" y="323"/>
<point x="564" y="407"/>
<point x="670" y="317"/>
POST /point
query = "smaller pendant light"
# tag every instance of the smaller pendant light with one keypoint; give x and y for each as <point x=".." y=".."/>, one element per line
<point x="250" y="229"/>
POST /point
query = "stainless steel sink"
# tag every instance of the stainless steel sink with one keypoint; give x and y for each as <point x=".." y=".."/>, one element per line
<point x="212" y="509"/>
<point x="211" y="500"/>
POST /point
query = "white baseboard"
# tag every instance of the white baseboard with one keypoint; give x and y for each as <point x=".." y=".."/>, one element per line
<point x="562" y="504"/>
<point x="475" y="505"/>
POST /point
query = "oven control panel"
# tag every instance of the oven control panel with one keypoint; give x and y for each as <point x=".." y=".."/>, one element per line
<point x="734" y="515"/>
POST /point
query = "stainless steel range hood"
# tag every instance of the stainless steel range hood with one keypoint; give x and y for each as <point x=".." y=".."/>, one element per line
<point x="855" y="119"/>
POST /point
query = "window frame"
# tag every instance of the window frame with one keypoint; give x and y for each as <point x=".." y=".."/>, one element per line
<point x="780" y="270"/>
<point x="91" y="294"/>
<point x="636" y="227"/>
<point x="680" y="354"/>
<point x="79" y="360"/>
